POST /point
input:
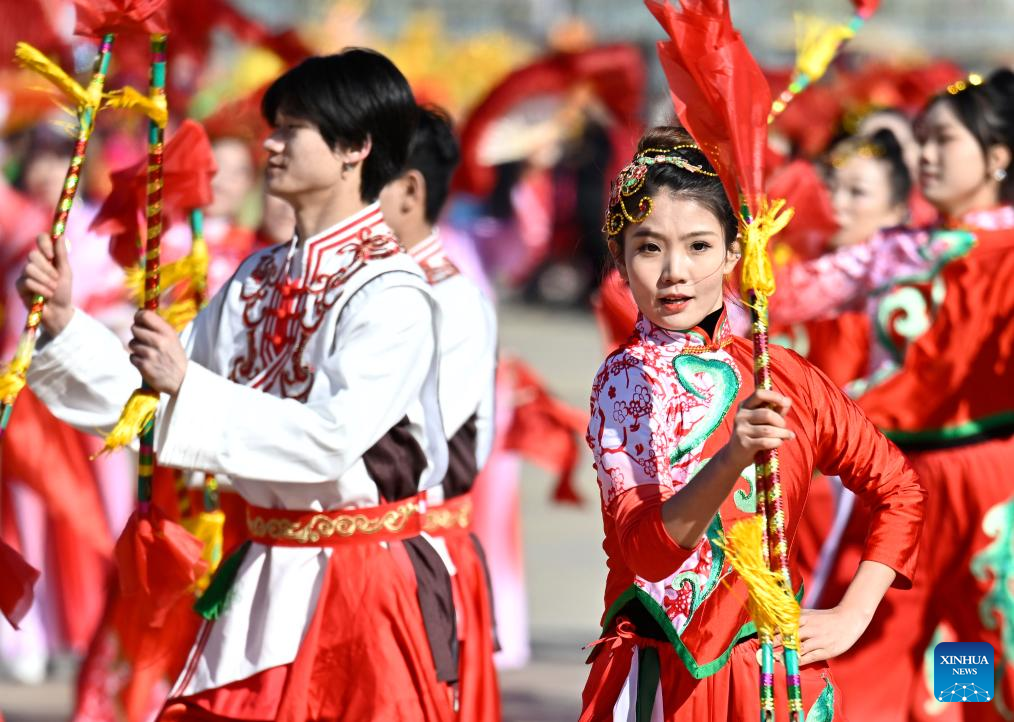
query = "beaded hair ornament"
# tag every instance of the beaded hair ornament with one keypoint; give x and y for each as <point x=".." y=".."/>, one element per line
<point x="960" y="85"/>
<point x="861" y="147"/>
<point x="630" y="180"/>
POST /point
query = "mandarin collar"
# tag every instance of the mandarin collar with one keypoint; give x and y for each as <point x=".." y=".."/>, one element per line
<point x="696" y="337"/>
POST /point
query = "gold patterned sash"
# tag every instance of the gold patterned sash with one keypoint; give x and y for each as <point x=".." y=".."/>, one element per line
<point x="388" y="522"/>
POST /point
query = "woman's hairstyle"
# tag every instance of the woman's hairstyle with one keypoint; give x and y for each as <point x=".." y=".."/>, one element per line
<point x="986" y="108"/>
<point x="667" y="159"/>
<point x="882" y="146"/>
<point x="350" y="97"/>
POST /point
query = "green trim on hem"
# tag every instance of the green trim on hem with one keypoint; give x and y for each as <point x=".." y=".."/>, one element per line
<point x="696" y="670"/>
<point x="953" y="433"/>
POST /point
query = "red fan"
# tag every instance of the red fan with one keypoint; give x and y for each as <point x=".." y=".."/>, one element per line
<point x="529" y="102"/>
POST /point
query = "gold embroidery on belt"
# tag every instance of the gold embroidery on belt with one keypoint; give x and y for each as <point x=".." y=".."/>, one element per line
<point x="324" y="526"/>
<point x="442" y="519"/>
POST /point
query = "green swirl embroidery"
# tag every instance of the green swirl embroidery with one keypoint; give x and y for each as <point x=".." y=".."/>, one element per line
<point x="746" y="501"/>
<point x="726" y="385"/>
<point x="997" y="561"/>
<point x="823" y="709"/>
<point x="915" y="319"/>
<point x="917" y="316"/>
<point x="697" y="594"/>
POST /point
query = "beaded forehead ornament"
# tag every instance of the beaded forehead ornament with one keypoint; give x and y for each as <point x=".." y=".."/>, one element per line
<point x="630" y="180"/>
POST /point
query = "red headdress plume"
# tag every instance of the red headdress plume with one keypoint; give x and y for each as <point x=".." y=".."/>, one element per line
<point x="720" y="94"/>
<point x="189" y="167"/>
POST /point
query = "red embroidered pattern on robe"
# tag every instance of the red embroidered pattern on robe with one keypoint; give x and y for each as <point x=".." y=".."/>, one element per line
<point x="281" y="313"/>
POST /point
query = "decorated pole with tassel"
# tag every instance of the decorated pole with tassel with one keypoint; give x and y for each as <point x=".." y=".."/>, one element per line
<point x="12" y="381"/>
<point x="817" y="45"/>
<point x="779" y="614"/>
<point x="153" y="247"/>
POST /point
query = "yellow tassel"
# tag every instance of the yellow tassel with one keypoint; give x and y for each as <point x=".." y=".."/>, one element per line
<point x="192" y="268"/>
<point x="817" y="42"/>
<point x="137" y="414"/>
<point x="12" y="380"/>
<point x="180" y="313"/>
<point x="770" y="220"/>
<point x="131" y="99"/>
<point x="208" y="526"/>
<point x="772" y="606"/>
<point x="33" y="59"/>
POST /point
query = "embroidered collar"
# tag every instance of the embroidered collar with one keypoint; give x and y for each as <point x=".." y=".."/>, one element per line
<point x="431" y="256"/>
<point x="313" y="254"/>
<point x="693" y="341"/>
<point x="990" y="219"/>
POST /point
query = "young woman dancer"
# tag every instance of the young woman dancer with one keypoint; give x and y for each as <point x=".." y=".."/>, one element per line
<point x="674" y="465"/>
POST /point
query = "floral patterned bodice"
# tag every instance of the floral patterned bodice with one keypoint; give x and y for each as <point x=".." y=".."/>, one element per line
<point x="654" y="404"/>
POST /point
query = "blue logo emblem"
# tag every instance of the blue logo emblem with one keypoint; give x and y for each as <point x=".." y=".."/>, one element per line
<point x="963" y="672"/>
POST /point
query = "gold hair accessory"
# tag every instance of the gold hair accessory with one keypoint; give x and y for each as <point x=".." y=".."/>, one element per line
<point x="972" y="79"/>
<point x="856" y="147"/>
<point x="631" y="179"/>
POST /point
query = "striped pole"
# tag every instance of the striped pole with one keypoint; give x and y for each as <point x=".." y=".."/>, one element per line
<point x="14" y="377"/>
<point x="156" y="148"/>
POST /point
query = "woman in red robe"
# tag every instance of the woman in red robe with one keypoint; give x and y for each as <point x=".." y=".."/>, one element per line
<point x="674" y="466"/>
<point x="941" y="300"/>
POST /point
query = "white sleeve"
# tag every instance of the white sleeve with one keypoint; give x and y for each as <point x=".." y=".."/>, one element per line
<point x="84" y="375"/>
<point x="468" y="361"/>
<point x="380" y="360"/>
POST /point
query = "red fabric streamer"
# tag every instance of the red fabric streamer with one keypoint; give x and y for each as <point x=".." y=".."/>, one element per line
<point x="614" y="73"/>
<point x="36" y="25"/>
<point x="615" y="310"/>
<point x="813" y="223"/>
<point x="95" y="18"/>
<point x="865" y="8"/>
<point x="17" y="579"/>
<point x="159" y="562"/>
<point x="720" y="94"/>
<point x="544" y="430"/>
<point x="188" y="166"/>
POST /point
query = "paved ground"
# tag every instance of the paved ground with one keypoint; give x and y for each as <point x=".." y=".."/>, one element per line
<point x="564" y="561"/>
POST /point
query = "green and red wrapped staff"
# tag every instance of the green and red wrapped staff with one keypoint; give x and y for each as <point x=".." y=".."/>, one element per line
<point x="817" y="45"/>
<point x="722" y="98"/>
<point x="88" y="101"/>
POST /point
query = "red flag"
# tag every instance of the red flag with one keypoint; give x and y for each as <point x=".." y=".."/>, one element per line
<point x="95" y="18"/>
<point x="158" y="562"/>
<point x="544" y="430"/>
<point x="188" y="168"/>
<point x="17" y="579"/>
<point x="720" y="94"/>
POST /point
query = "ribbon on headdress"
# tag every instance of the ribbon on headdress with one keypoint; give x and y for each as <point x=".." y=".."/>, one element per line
<point x="17" y="580"/>
<point x="723" y="100"/>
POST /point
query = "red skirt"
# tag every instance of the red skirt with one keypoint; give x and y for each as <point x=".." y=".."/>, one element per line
<point x="732" y="694"/>
<point x="364" y="657"/>
<point x="965" y="558"/>
<point x="479" y="693"/>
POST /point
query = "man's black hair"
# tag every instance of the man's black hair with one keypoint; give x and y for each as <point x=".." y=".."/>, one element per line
<point x="435" y="154"/>
<point x="351" y="96"/>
